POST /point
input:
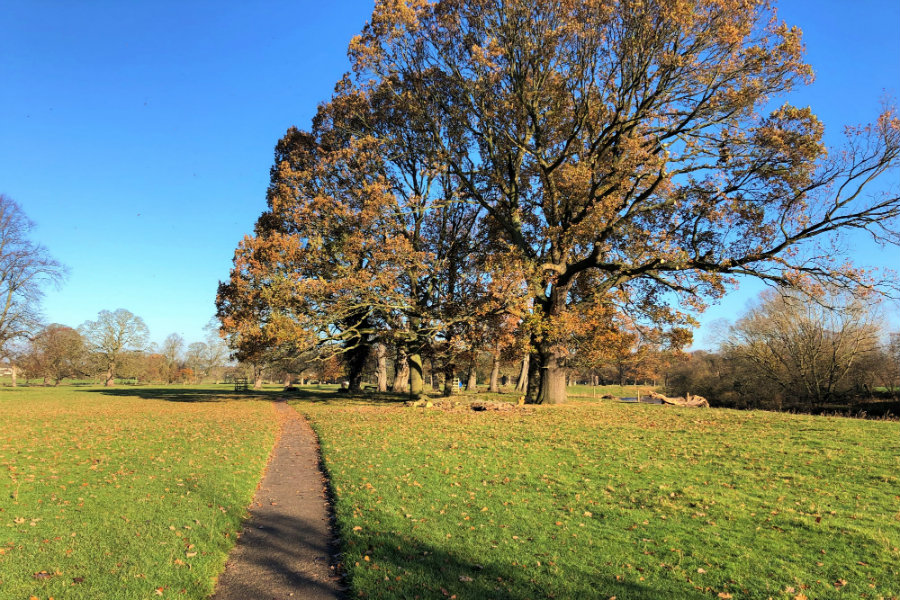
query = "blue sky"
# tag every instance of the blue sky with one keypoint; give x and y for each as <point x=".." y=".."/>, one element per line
<point x="139" y="135"/>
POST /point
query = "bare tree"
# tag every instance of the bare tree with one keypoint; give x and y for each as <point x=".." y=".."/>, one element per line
<point x="112" y="335"/>
<point x="25" y="268"/>
<point x="171" y="349"/>
<point x="807" y="348"/>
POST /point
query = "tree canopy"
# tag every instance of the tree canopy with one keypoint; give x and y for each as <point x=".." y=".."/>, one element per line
<point x="112" y="336"/>
<point x="573" y="162"/>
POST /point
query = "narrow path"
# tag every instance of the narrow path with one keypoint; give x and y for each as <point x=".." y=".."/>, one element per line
<point x="285" y="547"/>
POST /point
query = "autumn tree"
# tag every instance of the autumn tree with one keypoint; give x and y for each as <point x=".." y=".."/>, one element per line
<point x="364" y="242"/>
<point x="25" y="269"/>
<point x="627" y="142"/>
<point x="113" y="335"/>
<point x="55" y="353"/>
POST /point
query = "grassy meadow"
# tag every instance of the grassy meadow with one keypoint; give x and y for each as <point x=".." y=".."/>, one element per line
<point x="603" y="499"/>
<point x="130" y="492"/>
<point x="138" y="492"/>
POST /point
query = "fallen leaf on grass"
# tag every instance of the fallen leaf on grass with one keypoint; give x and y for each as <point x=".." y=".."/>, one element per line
<point x="42" y="575"/>
<point x="465" y="578"/>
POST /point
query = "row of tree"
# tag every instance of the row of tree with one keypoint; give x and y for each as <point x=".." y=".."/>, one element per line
<point x="562" y="180"/>
<point x="116" y="345"/>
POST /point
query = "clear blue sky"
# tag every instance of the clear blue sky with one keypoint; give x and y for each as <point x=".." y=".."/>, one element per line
<point x="139" y="135"/>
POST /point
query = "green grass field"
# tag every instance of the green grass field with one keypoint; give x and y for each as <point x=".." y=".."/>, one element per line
<point x="603" y="499"/>
<point x="124" y="493"/>
<point x="137" y="492"/>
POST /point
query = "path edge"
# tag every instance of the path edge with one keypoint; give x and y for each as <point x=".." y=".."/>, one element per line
<point x="335" y="542"/>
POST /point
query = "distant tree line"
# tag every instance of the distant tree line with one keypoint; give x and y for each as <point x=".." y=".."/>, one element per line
<point x="115" y="346"/>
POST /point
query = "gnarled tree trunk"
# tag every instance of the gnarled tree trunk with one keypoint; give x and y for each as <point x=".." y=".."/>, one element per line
<point x="416" y="376"/>
<point x="547" y="372"/>
<point x="449" y="379"/>
<point x="381" y="366"/>
<point x="356" y="362"/>
<point x="495" y="373"/>
<point x="401" y="372"/>
<point x="472" y="383"/>
<point x="522" y="383"/>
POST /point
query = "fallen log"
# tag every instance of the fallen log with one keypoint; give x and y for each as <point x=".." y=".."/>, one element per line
<point x="690" y="400"/>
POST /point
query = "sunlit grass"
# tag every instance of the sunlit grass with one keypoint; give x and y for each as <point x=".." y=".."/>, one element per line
<point x="602" y="499"/>
<point x="111" y="494"/>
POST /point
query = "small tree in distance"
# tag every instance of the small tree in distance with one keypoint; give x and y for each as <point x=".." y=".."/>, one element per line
<point x="55" y="353"/>
<point x="111" y="335"/>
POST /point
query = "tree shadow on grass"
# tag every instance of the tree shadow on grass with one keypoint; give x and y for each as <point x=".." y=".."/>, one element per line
<point x="313" y="394"/>
<point x="404" y="566"/>
<point x="188" y="394"/>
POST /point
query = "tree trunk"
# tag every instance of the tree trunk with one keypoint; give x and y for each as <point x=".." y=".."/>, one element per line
<point x="110" y="375"/>
<point x="381" y="370"/>
<point x="356" y="362"/>
<point x="472" y="383"/>
<point x="14" y="373"/>
<point x="548" y="361"/>
<point x="288" y="380"/>
<point x="449" y="377"/>
<point x="257" y="377"/>
<point x="551" y="388"/>
<point x="522" y="383"/>
<point x="401" y="373"/>
<point x="416" y="379"/>
<point x="495" y="374"/>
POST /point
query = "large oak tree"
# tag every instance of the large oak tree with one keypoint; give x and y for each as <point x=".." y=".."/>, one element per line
<point x="630" y="143"/>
